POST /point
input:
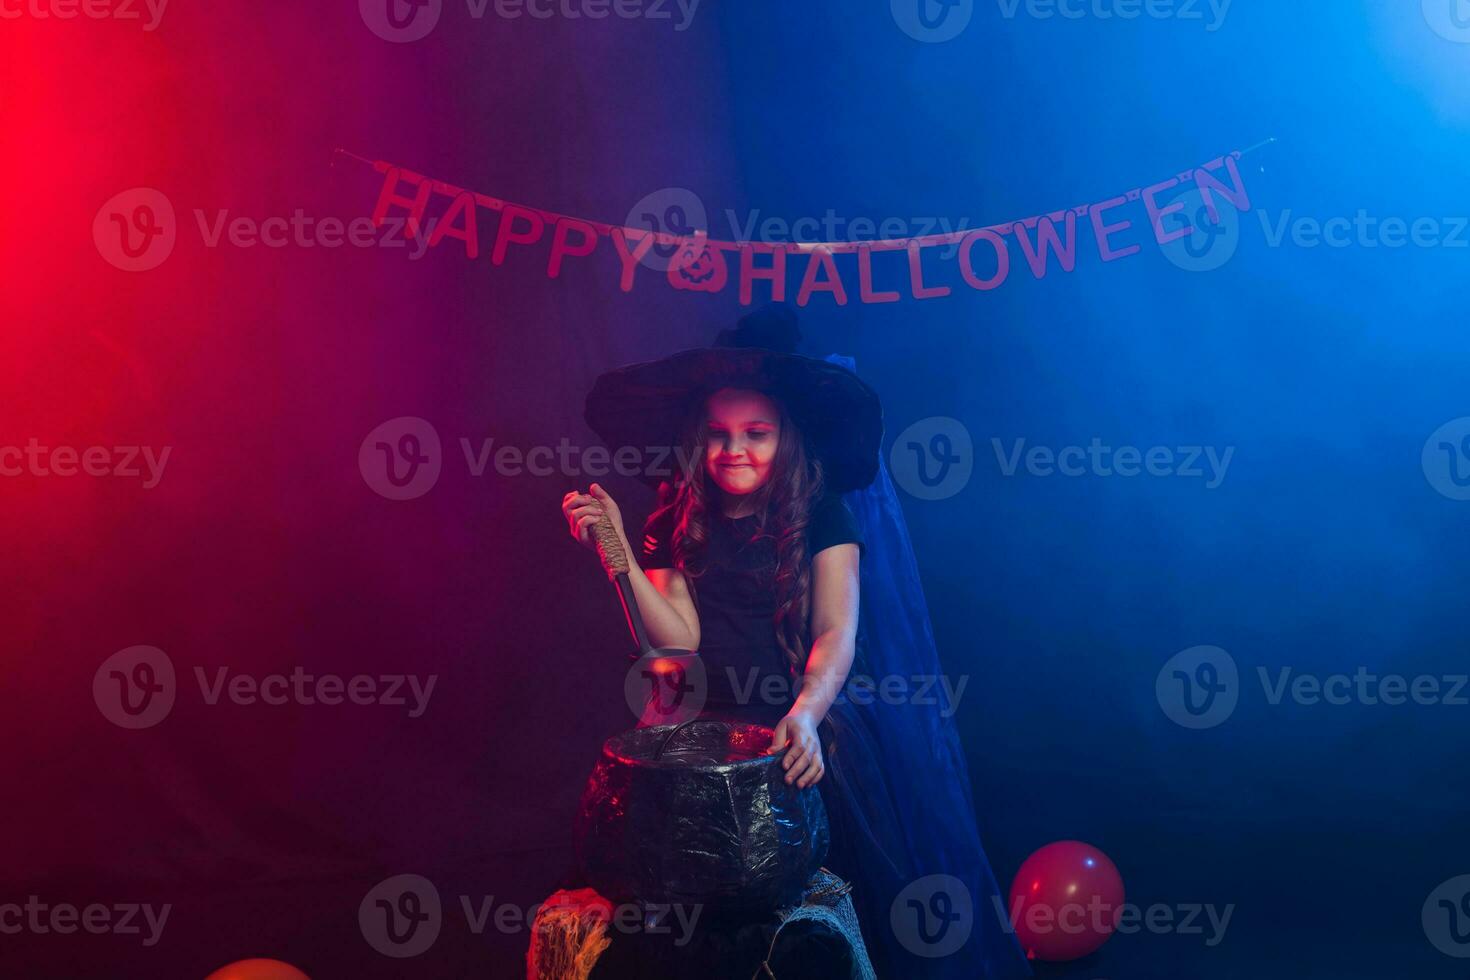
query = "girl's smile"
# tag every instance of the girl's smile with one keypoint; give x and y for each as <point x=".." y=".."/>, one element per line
<point x="742" y="435"/>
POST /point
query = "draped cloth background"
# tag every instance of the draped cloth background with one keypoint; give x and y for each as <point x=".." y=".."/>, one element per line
<point x="898" y="787"/>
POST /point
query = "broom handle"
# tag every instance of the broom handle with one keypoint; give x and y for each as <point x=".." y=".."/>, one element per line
<point x="615" y="563"/>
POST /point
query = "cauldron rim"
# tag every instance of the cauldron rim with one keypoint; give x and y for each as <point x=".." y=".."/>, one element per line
<point x="611" y="751"/>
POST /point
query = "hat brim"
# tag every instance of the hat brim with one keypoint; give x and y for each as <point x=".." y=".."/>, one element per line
<point x="642" y="405"/>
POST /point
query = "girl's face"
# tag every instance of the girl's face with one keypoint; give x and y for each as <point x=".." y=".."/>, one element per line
<point x="744" y="430"/>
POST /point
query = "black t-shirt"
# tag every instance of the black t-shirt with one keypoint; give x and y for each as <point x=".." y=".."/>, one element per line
<point x="746" y="668"/>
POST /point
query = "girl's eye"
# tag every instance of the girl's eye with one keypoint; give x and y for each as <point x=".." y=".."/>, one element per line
<point x="757" y="434"/>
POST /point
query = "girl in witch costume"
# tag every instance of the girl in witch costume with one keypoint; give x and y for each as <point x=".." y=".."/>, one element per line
<point x="778" y="552"/>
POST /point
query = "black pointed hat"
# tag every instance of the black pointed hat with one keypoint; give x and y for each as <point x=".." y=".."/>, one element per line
<point x="643" y="405"/>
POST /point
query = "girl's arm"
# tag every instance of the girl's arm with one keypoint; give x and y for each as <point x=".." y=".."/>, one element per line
<point x="668" y="611"/>
<point x="834" y="639"/>
<point x="834" y="629"/>
<point x="662" y="594"/>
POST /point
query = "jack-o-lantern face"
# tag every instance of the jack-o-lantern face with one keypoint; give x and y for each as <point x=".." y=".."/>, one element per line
<point x="699" y="266"/>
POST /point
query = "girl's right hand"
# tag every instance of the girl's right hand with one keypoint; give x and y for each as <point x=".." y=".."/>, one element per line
<point x="583" y="511"/>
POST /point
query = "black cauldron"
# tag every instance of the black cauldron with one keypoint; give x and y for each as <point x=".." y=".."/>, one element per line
<point x="697" y="813"/>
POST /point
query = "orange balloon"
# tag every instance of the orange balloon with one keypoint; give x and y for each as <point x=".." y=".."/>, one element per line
<point x="258" y="970"/>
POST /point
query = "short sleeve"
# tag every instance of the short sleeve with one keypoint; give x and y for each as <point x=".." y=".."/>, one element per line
<point x="832" y="524"/>
<point x="658" y="547"/>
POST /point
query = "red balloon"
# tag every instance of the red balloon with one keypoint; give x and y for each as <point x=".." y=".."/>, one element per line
<point x="258" y="970"/>
<point x="1065" y="901"/>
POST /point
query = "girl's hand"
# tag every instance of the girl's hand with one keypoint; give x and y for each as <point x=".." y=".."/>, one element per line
<point x="582" y="511"/>
<point x="797" y="734"/>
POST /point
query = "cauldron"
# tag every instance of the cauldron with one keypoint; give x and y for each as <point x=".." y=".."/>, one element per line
<point x="698" y="814"/>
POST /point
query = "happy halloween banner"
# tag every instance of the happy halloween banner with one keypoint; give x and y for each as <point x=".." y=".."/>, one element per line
<point x="702" y="264"/>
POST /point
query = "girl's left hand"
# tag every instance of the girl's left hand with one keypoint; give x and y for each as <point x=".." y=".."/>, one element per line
<point x="797" y="734"/>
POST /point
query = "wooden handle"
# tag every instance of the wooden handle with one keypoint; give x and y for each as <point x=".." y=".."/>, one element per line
<point x="610" y="547"/>
<point x="615" y="562"/>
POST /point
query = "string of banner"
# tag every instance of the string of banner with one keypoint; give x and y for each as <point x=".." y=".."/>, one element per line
<point x="703" y="264"/>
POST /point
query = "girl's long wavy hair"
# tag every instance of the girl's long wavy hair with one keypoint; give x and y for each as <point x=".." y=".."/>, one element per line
<point x="783" y="506"/>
